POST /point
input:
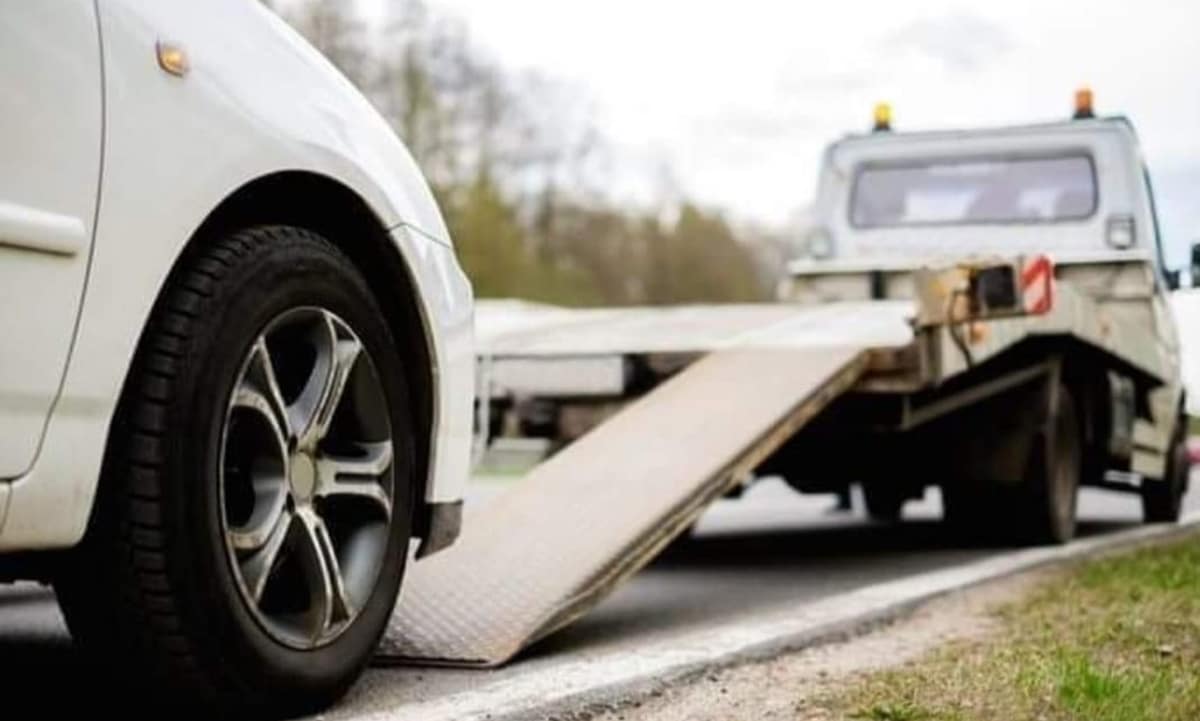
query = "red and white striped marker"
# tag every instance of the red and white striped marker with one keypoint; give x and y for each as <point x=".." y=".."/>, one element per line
<point x="1037" y="285"/>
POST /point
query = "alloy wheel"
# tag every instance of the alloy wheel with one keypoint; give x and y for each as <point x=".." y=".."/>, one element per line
<point x="306" y="478"/>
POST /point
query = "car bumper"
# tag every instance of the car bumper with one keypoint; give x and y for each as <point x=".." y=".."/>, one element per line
<point x="439" y="526"/>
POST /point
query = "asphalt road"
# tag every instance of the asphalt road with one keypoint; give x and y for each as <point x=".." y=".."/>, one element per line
<point x="769" y="549"/>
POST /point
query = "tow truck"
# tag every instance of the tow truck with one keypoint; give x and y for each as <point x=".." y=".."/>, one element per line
<point x="981" y="311"/>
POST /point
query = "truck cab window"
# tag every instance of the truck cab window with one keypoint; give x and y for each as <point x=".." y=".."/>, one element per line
<point x="970" y="191"/>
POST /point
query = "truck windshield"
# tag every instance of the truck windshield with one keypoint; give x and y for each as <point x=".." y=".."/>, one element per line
<point x="990" y="190"/>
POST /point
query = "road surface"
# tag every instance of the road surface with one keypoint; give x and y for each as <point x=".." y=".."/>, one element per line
<point x="769" y="549"/>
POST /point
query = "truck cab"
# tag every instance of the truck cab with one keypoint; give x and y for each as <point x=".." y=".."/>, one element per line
<point x="1075" y="189"/>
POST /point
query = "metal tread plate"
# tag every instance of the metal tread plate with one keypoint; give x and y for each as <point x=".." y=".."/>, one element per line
<point x="577" y="525"/>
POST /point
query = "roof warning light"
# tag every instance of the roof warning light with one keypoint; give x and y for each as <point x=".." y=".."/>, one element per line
<point x="883" y="117"/>
<point x="1083" y="104"/>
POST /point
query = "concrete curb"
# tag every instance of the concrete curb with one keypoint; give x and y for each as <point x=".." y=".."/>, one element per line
<point x="579" y="688"/>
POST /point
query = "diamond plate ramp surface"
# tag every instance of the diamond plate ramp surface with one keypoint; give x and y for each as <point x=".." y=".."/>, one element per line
<point x="577" y="525"/>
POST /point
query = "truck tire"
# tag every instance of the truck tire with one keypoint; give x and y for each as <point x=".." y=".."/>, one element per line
<point x="1162" y="498"/>
<point x="885" y="502"/>
<point x="250" y="534"/>
<point x="1048" y="497"/>
<point x="969" y="511"/>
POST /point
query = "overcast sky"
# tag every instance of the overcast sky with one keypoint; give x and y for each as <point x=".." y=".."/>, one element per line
<point x="738" y="97"/>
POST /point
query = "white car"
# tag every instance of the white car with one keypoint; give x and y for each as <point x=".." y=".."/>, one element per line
<point x="236" y="371"/>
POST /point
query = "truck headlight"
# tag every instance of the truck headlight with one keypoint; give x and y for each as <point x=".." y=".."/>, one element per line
<point x="820" y="243"/>
<point x="1121" y="232"/>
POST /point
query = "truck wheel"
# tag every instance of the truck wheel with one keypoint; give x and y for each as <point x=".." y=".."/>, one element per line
<point x="885" y="502"/>
<point x="253" y="519"/>
<point x="1162" y="498"/>
<point x="1051" y="487"/>
<point x="967" y="512"/>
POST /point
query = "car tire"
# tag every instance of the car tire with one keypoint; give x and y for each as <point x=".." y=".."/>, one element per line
<point x="1162" y="498"/>
<point x="168" y="591"/>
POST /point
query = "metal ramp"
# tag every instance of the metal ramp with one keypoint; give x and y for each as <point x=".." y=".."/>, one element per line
<point x="585" y="520"/>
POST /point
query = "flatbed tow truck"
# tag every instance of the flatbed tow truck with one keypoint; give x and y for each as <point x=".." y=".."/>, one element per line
<point x="983" y="311"/>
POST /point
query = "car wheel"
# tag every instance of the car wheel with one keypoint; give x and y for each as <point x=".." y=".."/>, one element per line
<point x="253" y="519"/>
<point x="1162" y="498"/>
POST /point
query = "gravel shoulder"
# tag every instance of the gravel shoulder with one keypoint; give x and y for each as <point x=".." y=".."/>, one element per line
<point x="1113" y="638"/>
<point x="797" y="686"/>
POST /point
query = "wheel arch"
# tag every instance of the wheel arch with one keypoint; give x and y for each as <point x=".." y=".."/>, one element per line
<point x="336" y="212"/>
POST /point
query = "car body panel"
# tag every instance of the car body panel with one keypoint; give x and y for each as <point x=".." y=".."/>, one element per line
<point x="449" y="308"/>
<point x="50" y="119"/>
<point x="256" y="101"/>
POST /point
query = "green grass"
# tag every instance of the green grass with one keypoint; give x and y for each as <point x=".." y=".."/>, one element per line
<point x="1113" y="640"/>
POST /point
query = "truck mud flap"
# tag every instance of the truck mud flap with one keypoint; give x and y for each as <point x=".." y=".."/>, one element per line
<point x="575" y="527"/>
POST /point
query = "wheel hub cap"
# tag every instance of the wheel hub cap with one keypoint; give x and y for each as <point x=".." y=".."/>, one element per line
<point x="302" y="477"/>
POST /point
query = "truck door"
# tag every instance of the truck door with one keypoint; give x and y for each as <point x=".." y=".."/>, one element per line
<point x="1162" y="313"/>
<point x="50" y="145"/>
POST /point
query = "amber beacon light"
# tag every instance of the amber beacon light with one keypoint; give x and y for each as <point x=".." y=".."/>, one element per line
<point x="883" y="117"/>
<point x="1083" y="104"/>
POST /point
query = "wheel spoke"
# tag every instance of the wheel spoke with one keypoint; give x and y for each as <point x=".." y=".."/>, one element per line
<point x="267" y="480"/>
<point x="261" y="527"/>
<point x="323" y="572"/>
<point x="260" y="380"/>
<point x="248" y="397"/>
<point x="313" y="411"/>
<point x="257" y="567"/>
<point x="357" y="477"/>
